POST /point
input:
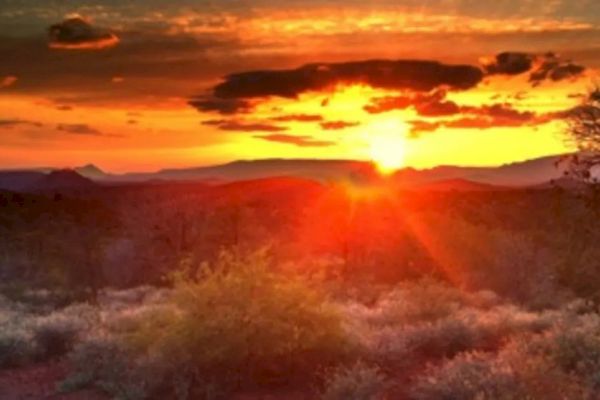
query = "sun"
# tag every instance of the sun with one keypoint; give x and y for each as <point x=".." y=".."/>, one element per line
<point x="387" y="144"/>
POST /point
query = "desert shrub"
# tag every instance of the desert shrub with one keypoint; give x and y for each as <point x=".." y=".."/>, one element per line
<point x="470" y="376"/>
<point x="510" y="374"/>
<point x="578" y="350"/>
<point x="240" y="323"/>
<point x="402" y="347"/>
<point x="55" y="334"/>
<point x="443" y="338"/>
<point x="396" y="334"/>
<point x="16" y="345"/>
<point x="572" y="346"/>
<point x="562" y="362"/>
<point x="357" y="382"/>
<point x="104" y="362"/>
<point x="111" y="298"/>
<point x="424" y="300"/>
<point x="236" y="324"/>
<point x="541" y="377"/>
<point x="131" y="320"/>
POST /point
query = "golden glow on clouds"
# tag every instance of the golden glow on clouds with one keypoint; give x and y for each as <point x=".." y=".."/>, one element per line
<point x="104" y="43"/>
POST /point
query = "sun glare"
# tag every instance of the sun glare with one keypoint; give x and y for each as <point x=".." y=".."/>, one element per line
<point x="387" y="145"/>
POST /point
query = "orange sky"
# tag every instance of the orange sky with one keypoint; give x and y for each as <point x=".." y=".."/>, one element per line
<point x="112" y="83"/>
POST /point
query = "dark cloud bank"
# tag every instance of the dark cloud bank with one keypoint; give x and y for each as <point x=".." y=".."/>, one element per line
<point x="422" y="84"/>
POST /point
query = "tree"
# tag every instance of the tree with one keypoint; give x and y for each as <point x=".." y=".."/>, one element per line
<point x="580" y="268"/>
<point x="584" y="129"/>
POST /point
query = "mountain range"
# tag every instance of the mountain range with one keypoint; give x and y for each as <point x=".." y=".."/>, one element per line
<point x="531" y="173"/>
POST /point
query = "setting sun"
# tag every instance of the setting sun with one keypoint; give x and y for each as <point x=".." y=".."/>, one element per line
<point x="387" y="145"/>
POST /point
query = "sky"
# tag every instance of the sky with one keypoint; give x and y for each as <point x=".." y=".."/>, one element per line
<point x="149" y="84"/>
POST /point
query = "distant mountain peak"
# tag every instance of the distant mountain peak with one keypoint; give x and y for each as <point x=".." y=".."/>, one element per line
<point x="62" y="179"/>
<point x="90" y="171"/>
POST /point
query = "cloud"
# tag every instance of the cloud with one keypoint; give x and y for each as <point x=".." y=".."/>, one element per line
<point x="481" y="122"/>
<point x="435" y="105"/>
<point x="416" y="75"/>
<point x="222" y="106"/>
<point x="548" y="66"/>
<point x="500" y="111"/>
<point x="299" y="118"/>
<point x="421" y="83"/>
<point x="509" y="63"/>
<point x="214" y="122"/>
<point x="250" y="127"/>
<point x="485" y="117"/>
<point x="420" y="126"/>
<point x="495" y="115"/>
<point x="429" y="104"/>
<point x="337" y="125"/>
<point x="551" y="67"/>
<point x="7" y="81"/>
<point x="438" y="108"/>
<point x="9" y="123"/>
<point x="78" y="129"/>
<point x="77" y="32"/>
<point x="388" y="103"/>
<point x="300" y="141"/>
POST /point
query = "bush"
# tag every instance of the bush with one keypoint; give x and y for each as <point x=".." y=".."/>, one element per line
<point x="16" y="346"/>
<point x="55" y="335"/>
<point x="401" y="330"/>
<point x="470" y="376"/>
<point x="358" y="382"/>
<point x="560" y="363"/>
<point x="421" y="301"/>
<point x="105" y="363"/>
<point x="572" y="347"/>
<point x="242" y="319"/>
<point x="237" y="324"/>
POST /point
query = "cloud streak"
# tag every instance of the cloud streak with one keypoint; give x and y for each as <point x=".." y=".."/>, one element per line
<point x="338" y="125"/>
<point x="300" y="141"/>
<point x="240" y="126"/>
<point x="12" y="122"/>
<point x="78" y="129"/>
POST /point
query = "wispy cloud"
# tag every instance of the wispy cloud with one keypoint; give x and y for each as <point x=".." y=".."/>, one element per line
<point x="300" y="141"/>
